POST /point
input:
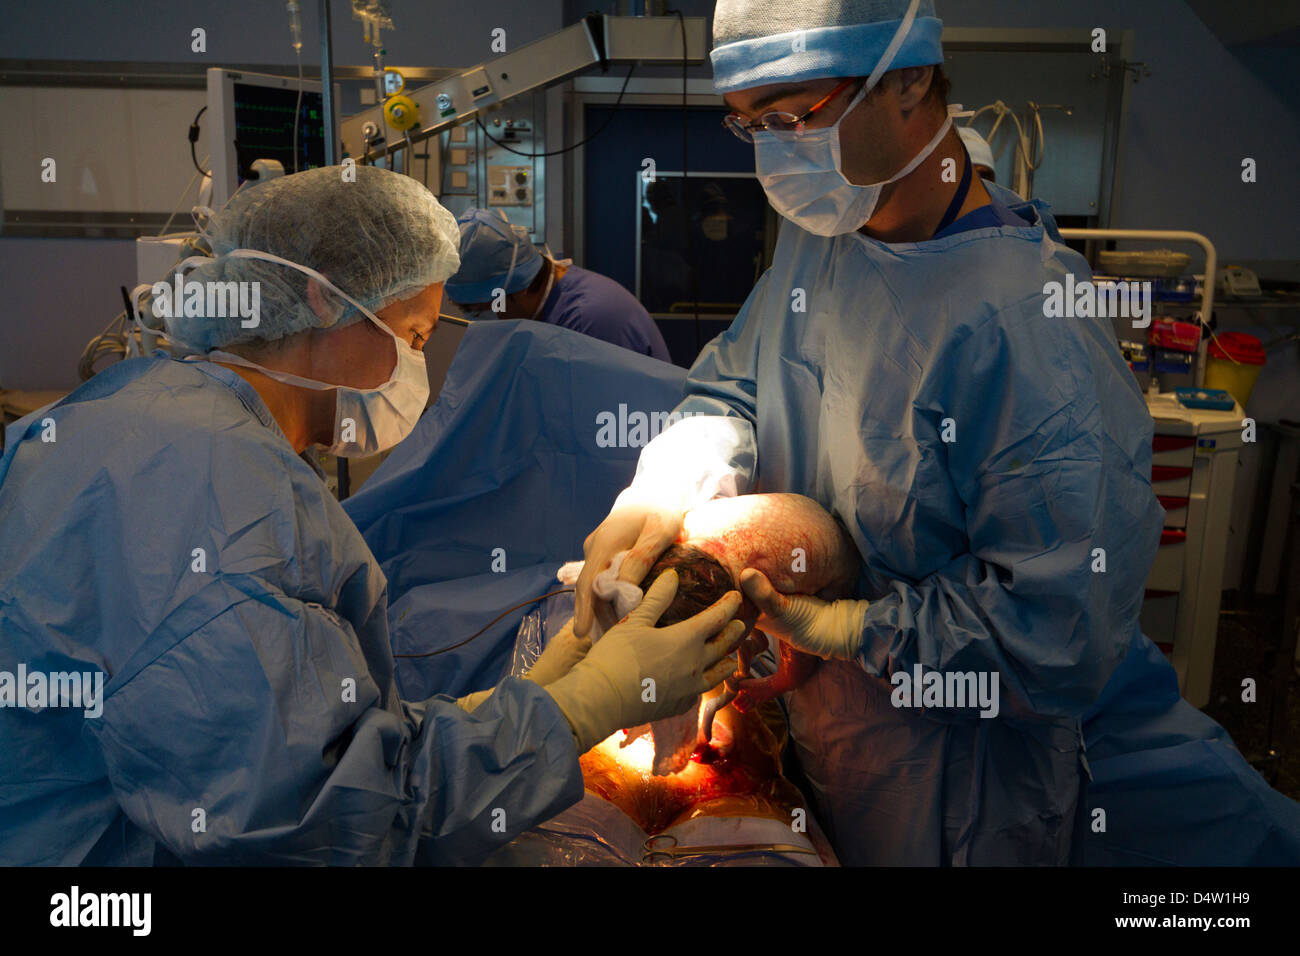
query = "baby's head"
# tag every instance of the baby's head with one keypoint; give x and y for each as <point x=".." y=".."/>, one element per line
<point x="701" y="581"/>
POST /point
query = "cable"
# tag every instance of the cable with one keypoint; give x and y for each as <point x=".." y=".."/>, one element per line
<point x="1033" y="164"/>
<point x="109" y="342"/>
<point x="113" y="339"/>
<point x="1205" y="323"/>
<point x="480" y="631"/>
<point x="686" y="217"/>
<point x="1022" y="168"/>
<point x="295" y="41"/>
<point x="557" y="152"/>
<point x="181" y="201"/>
<point x="194" y="138"/>
<point x="297" y="111"/>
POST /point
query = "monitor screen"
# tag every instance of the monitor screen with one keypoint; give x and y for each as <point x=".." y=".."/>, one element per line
<point x="264" y="127"/>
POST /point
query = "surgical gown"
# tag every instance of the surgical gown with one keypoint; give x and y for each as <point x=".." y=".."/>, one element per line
<point x="596" y="305"/>
<point x="497" y="487"/>
<point x="992" y="465"/>
<point x="170" y="539"/>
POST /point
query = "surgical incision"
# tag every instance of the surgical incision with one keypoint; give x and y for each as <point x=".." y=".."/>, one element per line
<point x="725" y="758"/>
<point x="743" y="778"/>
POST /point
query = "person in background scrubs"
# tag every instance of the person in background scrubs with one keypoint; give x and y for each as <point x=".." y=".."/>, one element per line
<point x="164" y="540"/>
<point x="503" y="275"/>
<point x="992" y="465"/>
<point x="981" y="154"/>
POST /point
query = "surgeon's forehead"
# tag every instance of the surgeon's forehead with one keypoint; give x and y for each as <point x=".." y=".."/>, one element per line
<point x="759" y="98"/>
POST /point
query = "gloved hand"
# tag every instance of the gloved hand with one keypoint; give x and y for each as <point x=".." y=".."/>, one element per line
<point x="470" y="701"/>
<point x="645" y="528"/>
<point x="824" y="628"/>
<point x="609" y="689"/>
<point x="557" y="659"/>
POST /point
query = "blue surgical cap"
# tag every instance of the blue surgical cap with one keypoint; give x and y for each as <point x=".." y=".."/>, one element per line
<point x="757" y="42"/>
<point x="488" y="244"/>
<point x="378" y="235"/>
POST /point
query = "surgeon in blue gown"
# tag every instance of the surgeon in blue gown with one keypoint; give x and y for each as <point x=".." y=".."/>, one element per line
<point x="162" y="535"/>
<point x="991" y="463"/>
<point x="502" y="275"/>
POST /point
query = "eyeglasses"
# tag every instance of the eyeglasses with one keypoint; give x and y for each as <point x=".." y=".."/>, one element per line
<point x="779" y="121"/>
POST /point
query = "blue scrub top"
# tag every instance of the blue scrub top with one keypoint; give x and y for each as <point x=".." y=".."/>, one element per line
<point x="994" y="213"/>
<point x="596" y="305"/>
<point x="169" y="540"/>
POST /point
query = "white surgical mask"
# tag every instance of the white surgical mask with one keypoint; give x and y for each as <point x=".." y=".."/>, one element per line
<point x="803" y="175"/>
<point x="804" y="178"/>
<point x="366" y="420"/>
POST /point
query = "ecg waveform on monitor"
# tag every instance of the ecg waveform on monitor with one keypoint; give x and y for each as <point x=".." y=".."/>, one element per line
<point x="264" y="128"/>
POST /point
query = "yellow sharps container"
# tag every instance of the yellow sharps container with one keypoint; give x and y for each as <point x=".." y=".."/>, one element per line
<point x="1233" y="361"/>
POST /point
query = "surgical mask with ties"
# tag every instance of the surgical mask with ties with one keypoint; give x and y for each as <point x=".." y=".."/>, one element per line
<point x="541" y="305"/>
<point x="803" y="174"/>
<point x="366" y="420"/>
<point x="804" y="179"/>
<point x="550" y="281"/>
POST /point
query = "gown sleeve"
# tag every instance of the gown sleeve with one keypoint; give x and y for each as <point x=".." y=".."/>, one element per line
<point x="263" y="737"/>
<point x="711" y="448"/>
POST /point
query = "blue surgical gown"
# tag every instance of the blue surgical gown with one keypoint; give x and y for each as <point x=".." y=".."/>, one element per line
<point x="170" y="539"/>
<point x="992" y="465"/>
<point x="596" y="305"/>
<point x="497" y="487"/>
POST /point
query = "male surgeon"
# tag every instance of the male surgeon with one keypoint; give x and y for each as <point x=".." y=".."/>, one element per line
<point x="502" y="275"/>
<point x="991" y="464"/>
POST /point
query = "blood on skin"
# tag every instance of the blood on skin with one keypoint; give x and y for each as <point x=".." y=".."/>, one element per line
<point x="745" y="778"/>
<point x="738" y="770"/>
<point x="790" y="538"/>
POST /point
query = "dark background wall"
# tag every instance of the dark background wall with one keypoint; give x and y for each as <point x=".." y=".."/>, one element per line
<point x="1213" y="98"/>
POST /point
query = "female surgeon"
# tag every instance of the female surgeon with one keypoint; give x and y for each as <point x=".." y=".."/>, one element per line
<point x="161" y="535"/>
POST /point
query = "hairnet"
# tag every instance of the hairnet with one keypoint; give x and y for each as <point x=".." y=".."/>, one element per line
<point x="488" y="243"/>
<point x="757" y="42"/>
<point x="981" y="154"/>
<point x="380" y="237"/>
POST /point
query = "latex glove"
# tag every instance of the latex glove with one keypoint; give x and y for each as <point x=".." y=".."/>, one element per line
<point x="644" y="529"/>
<point x="470" y="701"/>
<point x="824" y="628"/>
<point x="604" y="692"/>
<point x="557" y="659"/>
